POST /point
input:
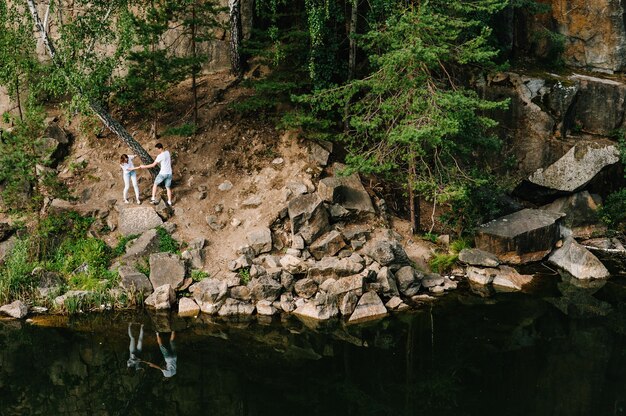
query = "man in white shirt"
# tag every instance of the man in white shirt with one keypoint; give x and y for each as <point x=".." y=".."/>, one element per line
<point x="165" y="174"/>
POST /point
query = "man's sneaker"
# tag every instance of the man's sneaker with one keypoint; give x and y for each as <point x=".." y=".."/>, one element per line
<point x="169" y="203"/>
<point x="153" y="201"/>
<point x="126" y="201"/>
<point x="138" y="202"/>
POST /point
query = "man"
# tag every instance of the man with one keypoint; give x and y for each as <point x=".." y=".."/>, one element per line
<point x="169" y="355"/>
<point x="165" y="174"/>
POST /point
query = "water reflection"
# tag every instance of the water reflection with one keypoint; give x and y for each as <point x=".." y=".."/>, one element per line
<point x="134" y="348"/>
<point x="465" y="355"/>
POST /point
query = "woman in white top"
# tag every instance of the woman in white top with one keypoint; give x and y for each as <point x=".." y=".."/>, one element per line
<point x="126" y="162"/>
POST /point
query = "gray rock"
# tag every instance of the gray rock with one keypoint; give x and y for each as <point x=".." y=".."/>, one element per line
<point x="241" y="262"/>
<point x="164" y="211"/>
<point x="169" y="227"/>
<point x="265" y="308"/>
<point x="322" y="308"/>
<point x="305" y="288"/>
<point x="233" y="307"/>
<point x="16" y="309"/>
<point x="581" y="211"/>
<point x="163" y="297"/>
<point x="146" y="244"/>
<point x="167" y="268"/>
<point x="386" y="283"/>
<point x="344" y="285"/>
<point x="209" y="290"/>
<point x="60" y="300"/>
<point x="197" y="243"/>
<point x="195" y="257"/>
<point x="386" y="251"/>
<point x="214" y="223"/>
<point x="297" y="188"/>
<point x="210" y="308"/>
<point x="257" y="271"/>
<point x="355" y="231"/>
<point x="260" y="240"/>
<point x="478" y="257"/>
<point x="252" y="202"/>
<point x="507" y="277"/>
<point x="6" y="247"/>
<point x="188" y="308"/>
<point x="297" y="242"/>
<point x="133" y="281"/>
<point x="348" y="303"/>
<point x="319" y="154"/>
<point x="240" y="293"/>
<point x="346" y="191"/>
<point x="265" y="288"/>
<point x="327" y="245"/>
<point x="327" y="284"/>
<point x="308" y="217"/>
<point x="577" y="167"/>
<point x="337" y="212"/>
<point x="225" y="186"/>
<point x="524" y="236"/>
<point x="578" y="261"/>
<point x="293" y="264"/>
<point x="393" y="303"/>
<point x="436" y="290"/>
<point x="432" y="280"/>
<point x="369" y="307"/>
<point x="408" y="281"/>
<point x="138" y="220"/>
<point x="294" y="252"/>
<point x="332" y="267"/>
<point x="286" y="302"/>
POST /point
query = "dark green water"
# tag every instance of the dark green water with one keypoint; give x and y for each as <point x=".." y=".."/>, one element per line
<point x="560" y="352"/>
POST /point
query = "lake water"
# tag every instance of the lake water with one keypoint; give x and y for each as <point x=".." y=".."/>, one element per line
<point x="560" y="351"/>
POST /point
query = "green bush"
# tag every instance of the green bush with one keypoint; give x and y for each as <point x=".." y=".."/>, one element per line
<point x="187" y="129"/>
<point x="244" y="275"/>
<point x="613" y="211"/>
<point x="166" y="242"/>
<point x="16" y="281"/>
<point x="441" y="263"/>
<point x="197" y="275"/>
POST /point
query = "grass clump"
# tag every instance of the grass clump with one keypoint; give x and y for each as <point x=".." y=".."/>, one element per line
<point x="16" y="280"/>
<point x="197" y="275"/>
<point x="186" y="129"/>
<point x="166" y="242"/>
<point x="120" y="248"/>
<point x="244" y="275"/>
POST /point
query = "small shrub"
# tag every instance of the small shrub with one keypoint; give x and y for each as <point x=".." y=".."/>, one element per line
<point x="244" y="275"/>
<point x="16" y="280"/>
<point x="457" y="245"/>
<point x="441" y="263"/>
<point x="432" y="237"/>
<point x="613" y="211"/>
<point x="197" y="275"/>
<point x="187" y="129"/>
<point x="166" y="242"/>
<point x="120" y="248"/>
<point x="143" y="267"/>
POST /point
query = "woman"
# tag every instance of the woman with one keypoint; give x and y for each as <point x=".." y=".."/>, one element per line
<point x="126" y="162"/>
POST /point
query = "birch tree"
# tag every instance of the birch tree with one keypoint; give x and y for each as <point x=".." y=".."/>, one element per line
<point x="234" y="14"/>
<point x="82" y="67"/>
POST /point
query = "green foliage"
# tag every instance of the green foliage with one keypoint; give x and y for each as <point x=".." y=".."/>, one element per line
<point x="411" y="118"/>
<point x="16" y="280"/>
<point x="120" y="248"/>
<point x="244" y="275"/>
<point x="613" y="210"/>
<point x="458" y="245"/>
<point x="197" y="275"/>
<point x="440" y="263"/>
<point x="166" y="242"/>
<point x="186" y="129"/>
<point x="143" y="267"/>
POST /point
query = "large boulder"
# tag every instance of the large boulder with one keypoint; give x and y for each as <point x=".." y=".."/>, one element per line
<point x="578" y="261"/>
<point x="478" y="257"/>
<point x="346" y="191"/>
<point x="188" y="308"/>
<point x="6" y="247"/>
<point x="369" y="307"/>
<point x="503" y="278"/>
<point x="138" y="220"/>
<point x="577" y="167"/>
<point x="348" y="284"/>
<point x="17" y="309"/>
<point x="54" y="144"/>
<point x="305" y="288"/>
<point x="594" y="96"/>
<point x="163" y="297"/>
<point x="233" y="307"/>
<point x="133" y="281"/>
<point x="265" y="288"/>
<point x="581" y="211"/>
<point x="308" y="217"/>
<point x="333" y="267"/>
<point x="146" y="244"/>
<point x="167" y="268"/>
<point x="208" y="290"/>
<point x="322" y="308"/>
<point x="328" y="244"/>
<point x="524" y="236"/>
<point x="293" y="264"/>
<point x="409" y="281"/>
<point x="386" y="251"/>
<point x="260" y="240"/>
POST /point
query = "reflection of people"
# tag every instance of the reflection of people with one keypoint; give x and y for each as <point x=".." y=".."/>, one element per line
<point x="135" y="349"/>
<point x="169" y="355"/>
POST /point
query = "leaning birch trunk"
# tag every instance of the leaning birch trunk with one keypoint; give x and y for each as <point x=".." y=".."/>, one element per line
<point x="234" y="11"/>
<point x="106" y="118"/>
